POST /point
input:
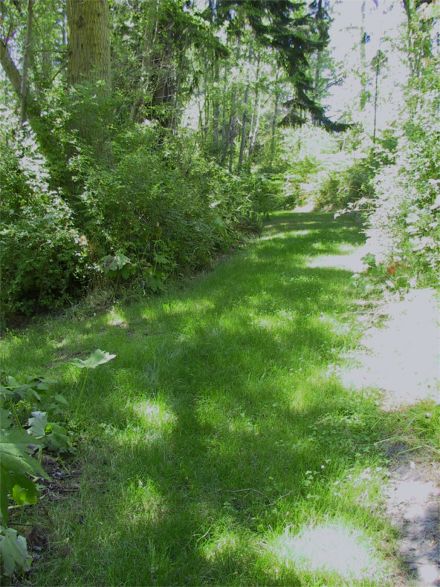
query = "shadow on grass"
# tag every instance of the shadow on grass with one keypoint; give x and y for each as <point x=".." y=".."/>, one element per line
<point x="207" y="428"/>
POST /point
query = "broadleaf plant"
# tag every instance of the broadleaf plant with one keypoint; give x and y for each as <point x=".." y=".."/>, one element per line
<point x="13" y="552"/>
<point x="96" y="358"/>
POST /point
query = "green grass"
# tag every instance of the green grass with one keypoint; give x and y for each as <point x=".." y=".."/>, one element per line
<point x="216" y="434"/>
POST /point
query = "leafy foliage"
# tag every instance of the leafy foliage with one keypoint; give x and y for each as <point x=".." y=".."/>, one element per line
<point x="22" y="440"/>
<point x="43" y="257"/>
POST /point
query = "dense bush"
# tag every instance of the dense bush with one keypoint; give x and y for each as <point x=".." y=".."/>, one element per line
<point x="162" y="204"/>
<point x="340" y="188"/>
<point x="406" y="216"/>
<point x="43" y="256"/>
<point x="155" y="206"/>
<point x="396" y="185"/>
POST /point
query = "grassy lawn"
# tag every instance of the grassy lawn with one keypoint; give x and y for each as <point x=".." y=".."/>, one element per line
<point x="216" y="449"/>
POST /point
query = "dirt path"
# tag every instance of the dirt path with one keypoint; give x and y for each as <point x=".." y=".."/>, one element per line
<point x="413" y="505"/>
<point x="401" y="358"/>
<point x="399" y="354"/>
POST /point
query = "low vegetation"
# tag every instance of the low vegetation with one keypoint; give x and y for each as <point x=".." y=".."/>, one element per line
<point x="207" y="438"/>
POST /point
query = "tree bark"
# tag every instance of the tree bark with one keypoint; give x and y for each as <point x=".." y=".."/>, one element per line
<point x="48" y="143"/>
<point x="274" y="123"/>
<point x="89" y="42"/>
<point x="33" y="111"/>
<point x="256" y="110"/>
<point x="89" y="70"/>
<point x="243" y="128"/>
<point x="10" y="68"/>
<point x="26" y="61"/>
<point x="216" y="107"/>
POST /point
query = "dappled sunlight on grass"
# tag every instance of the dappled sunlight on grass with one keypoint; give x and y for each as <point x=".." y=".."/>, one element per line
<point x="144" y="502"/>
<point x="218" y="414"/>
<point x="155" y="414"/>
<point x="116" y="317"/>
<point x="224" y="546"/>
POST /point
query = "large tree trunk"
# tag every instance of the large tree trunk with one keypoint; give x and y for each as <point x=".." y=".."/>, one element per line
<point x="89" y="70"/>
<point x="89" y="42"/>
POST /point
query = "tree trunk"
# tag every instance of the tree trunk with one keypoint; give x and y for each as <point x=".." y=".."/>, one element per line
<point x="230" y="138"/>
<point x="89" y="70"/>
<point x="408" y="6"/>
<point x="244" y="117"/>
<point x="26" y="61"/>
<point x="363" y="59"/>
<point x="274" y="124"/>
<point x="376" y="96"/>
<point x="378" y="61"/>
<point x="48" y="142"/>
<point x="89" y="42"/>
<point x="10" y="68"/>
<point x="33" y="111"/>
<point x="256" y="110"/>
<point x="216" y="107"/>
<point x="243" y="128"/>
<point x="149" y="42"/>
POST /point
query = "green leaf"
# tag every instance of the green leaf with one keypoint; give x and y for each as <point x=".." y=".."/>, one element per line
<point x="5" y="419"/>
<point x="19" y="487"/>
<point x="37" y="424"/>
<point x="5" y="392"/>
<point x="61" y="400"/>
<point x="20" y="390"/>
<point x="13" y="453"/>
<point x="15" y="467"/>
<point x="114" y="263"/>
<point x="13" y="552"/>
<point x="24" y="490"/>
<point x="97" y="358"/>
<point x="57" y="438"/>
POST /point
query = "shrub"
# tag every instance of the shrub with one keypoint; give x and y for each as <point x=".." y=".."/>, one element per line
<point x="164" y="206"/>
<point x="43" y="256"/>
<point x="350" y="185"/>
<point x="406" y="215"/>
<point x="153" y="207"/>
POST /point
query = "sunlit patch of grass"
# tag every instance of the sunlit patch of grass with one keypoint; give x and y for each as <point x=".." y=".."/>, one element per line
<point x="116" y="317"/>
<point x="144" y="502"/>
<point x="222" y="541"/>
<point x="155" y="417"/>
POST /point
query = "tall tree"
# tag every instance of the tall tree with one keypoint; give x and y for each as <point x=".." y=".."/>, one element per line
<point x="89" y="70"/>
<point x="89" y="42"/>
<point x="26" y="60"/>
